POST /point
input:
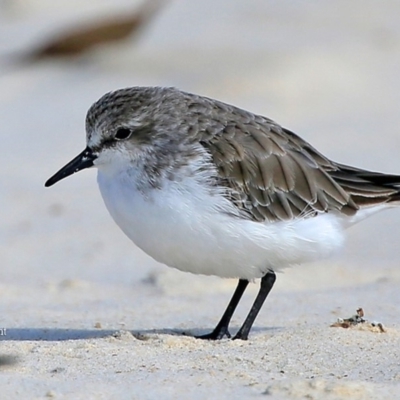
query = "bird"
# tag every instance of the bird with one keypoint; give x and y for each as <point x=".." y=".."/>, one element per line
<point x="209" y="188"/>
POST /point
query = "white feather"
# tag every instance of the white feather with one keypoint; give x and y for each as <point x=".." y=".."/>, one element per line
<point x="185" y="226"/>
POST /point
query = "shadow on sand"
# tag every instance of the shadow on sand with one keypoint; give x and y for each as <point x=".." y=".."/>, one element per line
<point x="58" y="334"/>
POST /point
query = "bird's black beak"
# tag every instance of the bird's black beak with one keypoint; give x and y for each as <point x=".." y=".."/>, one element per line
<point x="81" y="161"/>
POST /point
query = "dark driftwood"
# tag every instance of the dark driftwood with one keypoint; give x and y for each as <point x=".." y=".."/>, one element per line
<point x="80" y="39"/>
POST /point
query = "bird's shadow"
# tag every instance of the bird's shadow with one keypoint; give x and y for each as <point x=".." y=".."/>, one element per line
<point x="62" y="334"/>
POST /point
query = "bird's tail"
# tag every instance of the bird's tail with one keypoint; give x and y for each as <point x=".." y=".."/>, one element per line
<point x="368" y="188"/>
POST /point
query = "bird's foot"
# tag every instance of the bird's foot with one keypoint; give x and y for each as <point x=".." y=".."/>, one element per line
<point x="241" y="336"/>
<point x="216" y="334"/>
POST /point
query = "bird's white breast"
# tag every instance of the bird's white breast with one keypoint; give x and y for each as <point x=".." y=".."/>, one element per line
<point x="185" y="226"/>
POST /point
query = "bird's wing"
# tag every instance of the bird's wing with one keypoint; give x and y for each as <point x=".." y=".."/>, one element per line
<point x="272" y="174"/>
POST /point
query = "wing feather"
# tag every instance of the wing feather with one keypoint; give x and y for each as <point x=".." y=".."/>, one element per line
<point x="272" y="174"/>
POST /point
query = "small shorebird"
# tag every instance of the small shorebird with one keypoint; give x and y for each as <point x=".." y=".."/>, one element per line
<point x="208" y="188"/>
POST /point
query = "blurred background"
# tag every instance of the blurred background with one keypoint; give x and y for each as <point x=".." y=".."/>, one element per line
<point x="326" y="70"/>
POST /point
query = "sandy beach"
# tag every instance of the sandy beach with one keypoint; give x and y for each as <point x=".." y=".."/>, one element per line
<point x="87" y="315"/>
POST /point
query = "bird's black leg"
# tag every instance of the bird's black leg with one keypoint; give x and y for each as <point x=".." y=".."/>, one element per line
<point x="221" y="329"/>
<point x="267" y="282"/>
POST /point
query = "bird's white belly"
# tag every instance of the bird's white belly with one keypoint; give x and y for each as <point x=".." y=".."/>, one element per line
<point x="183" y="226"/>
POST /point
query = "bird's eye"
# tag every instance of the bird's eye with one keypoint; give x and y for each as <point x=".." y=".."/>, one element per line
<point x="122" y="133"/>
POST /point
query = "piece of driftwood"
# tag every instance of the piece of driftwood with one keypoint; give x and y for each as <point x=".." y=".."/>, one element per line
<point x="82" y="38"/>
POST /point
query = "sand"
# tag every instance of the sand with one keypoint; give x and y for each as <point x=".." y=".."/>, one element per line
<point x="87" y="315"/>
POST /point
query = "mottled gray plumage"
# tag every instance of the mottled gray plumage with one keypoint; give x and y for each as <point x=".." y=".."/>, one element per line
<point x="268" y="172"/>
